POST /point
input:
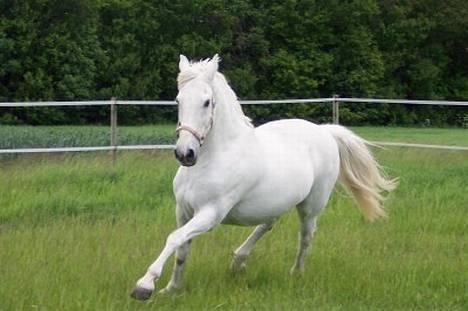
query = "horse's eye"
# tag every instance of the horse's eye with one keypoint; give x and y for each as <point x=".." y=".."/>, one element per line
<point x="206" y="104"/>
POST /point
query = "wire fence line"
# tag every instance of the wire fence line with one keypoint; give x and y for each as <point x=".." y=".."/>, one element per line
<point x="85" y="149"/>
<point x="114" y="103"/>
<point x="243" y="102"/>
<point x="172" y="147"/>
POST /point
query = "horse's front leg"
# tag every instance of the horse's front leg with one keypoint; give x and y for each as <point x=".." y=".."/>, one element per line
<point x="204" y="220"/>
<point x="181" y="253"/>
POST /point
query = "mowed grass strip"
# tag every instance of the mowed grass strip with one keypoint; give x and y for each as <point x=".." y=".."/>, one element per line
<point x="77" y="232"/>
<point x="421" y="135"/>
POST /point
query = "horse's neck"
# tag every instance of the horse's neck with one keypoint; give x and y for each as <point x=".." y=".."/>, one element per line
<point x="229" y="121"/>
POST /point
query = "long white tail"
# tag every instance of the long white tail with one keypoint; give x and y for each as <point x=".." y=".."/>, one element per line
<point x="361" y="174"/>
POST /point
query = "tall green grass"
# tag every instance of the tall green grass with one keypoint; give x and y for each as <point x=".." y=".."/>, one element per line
<point x="12" y="137"/>
<point x="75" y="136"/>
<point x="76" y="233"/>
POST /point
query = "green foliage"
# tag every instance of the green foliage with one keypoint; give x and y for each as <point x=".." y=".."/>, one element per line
<point x="84" y="49"/>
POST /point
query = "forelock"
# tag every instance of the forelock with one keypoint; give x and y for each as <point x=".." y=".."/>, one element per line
<point x="195" y="70"/>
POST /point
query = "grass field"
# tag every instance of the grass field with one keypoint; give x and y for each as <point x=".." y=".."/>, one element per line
<point x="75" y="136"/>
<point x="76" y="233"/>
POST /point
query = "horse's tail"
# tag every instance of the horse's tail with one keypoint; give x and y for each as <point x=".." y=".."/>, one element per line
<point x="361" y="174"/>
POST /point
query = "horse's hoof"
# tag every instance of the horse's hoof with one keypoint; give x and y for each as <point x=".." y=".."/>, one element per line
<point x="238" y="263"/>
<point x="167" y="290"/>
<point x="296" y="272"/>
<point x="237" y="268"/>
<point x="140" y="293"/>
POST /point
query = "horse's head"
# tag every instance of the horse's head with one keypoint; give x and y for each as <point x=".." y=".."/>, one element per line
<point x="196" y="107"/>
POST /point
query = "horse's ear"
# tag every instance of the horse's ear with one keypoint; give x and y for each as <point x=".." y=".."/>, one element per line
<point x="212" y="67"/>
<point x="184" y="63"/>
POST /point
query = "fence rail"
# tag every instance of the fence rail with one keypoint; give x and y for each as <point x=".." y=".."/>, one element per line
<point x="56" y="103"/>
<point x="114" y="103"/>
<point x="404" y="101"/>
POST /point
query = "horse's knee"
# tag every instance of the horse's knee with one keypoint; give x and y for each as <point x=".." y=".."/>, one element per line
<point x="174" y="240"/>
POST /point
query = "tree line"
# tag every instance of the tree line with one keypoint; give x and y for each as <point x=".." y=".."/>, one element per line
<point x="98" y="49"/>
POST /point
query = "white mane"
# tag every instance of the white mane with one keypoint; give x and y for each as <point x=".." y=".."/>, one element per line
<point x="199" y="69"/>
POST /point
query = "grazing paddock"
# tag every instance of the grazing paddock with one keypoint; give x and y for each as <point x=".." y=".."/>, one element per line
<point x="75" y="233"/>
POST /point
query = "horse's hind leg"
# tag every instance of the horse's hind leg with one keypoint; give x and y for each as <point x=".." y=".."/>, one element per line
<point x="243" y="251"/>
<point x="308" y="212"/>
<point x="178" y="270"/>
<point x="306" y="233"/>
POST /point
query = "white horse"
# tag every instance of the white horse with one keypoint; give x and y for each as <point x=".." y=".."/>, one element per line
<point x="233" y="173"/>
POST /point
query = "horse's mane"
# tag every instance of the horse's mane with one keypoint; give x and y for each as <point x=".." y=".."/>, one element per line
<point x="198" y="69"/>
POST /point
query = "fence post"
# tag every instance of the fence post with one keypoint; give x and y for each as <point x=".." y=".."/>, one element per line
<point x="336" y="110"/>
<point x="113" y="124"/>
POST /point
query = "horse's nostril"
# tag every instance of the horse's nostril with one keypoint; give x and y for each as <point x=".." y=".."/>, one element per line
<point x="177" y="155"/>
<point x="190" y="154"/>
<point x="185" y="158"/>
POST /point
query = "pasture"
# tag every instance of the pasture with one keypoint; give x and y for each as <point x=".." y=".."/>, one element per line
<point x="76" y="232"/>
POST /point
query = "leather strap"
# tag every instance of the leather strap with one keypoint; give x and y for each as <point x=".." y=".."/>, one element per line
<point x="199" y="137"/>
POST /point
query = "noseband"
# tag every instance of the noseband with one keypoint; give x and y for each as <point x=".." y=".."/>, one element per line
<point x="199" y="137"/>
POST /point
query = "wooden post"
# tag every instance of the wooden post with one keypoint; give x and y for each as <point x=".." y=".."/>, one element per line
<point x="113" y="124"/>
<point x="336" y="110"/>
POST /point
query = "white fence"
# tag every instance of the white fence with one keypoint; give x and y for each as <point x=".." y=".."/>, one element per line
<point x="114" y="103"/>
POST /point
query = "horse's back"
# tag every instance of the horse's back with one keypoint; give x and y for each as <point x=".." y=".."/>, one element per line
<point x="301" y="144"/>
<point x="290" y="136"/>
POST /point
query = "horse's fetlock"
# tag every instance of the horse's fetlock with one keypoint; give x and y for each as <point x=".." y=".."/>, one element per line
<point x="240" y="256"/>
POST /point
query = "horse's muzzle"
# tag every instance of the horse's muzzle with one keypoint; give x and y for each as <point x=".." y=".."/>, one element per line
<point x="187" y="158"/>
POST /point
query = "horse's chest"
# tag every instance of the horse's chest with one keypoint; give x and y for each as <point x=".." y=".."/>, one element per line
<point x="201" y="190"/>
<point x="190" y="193"/>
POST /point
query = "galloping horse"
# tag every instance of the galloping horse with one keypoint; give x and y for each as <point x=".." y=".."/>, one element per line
<point x="233" y="173"/>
